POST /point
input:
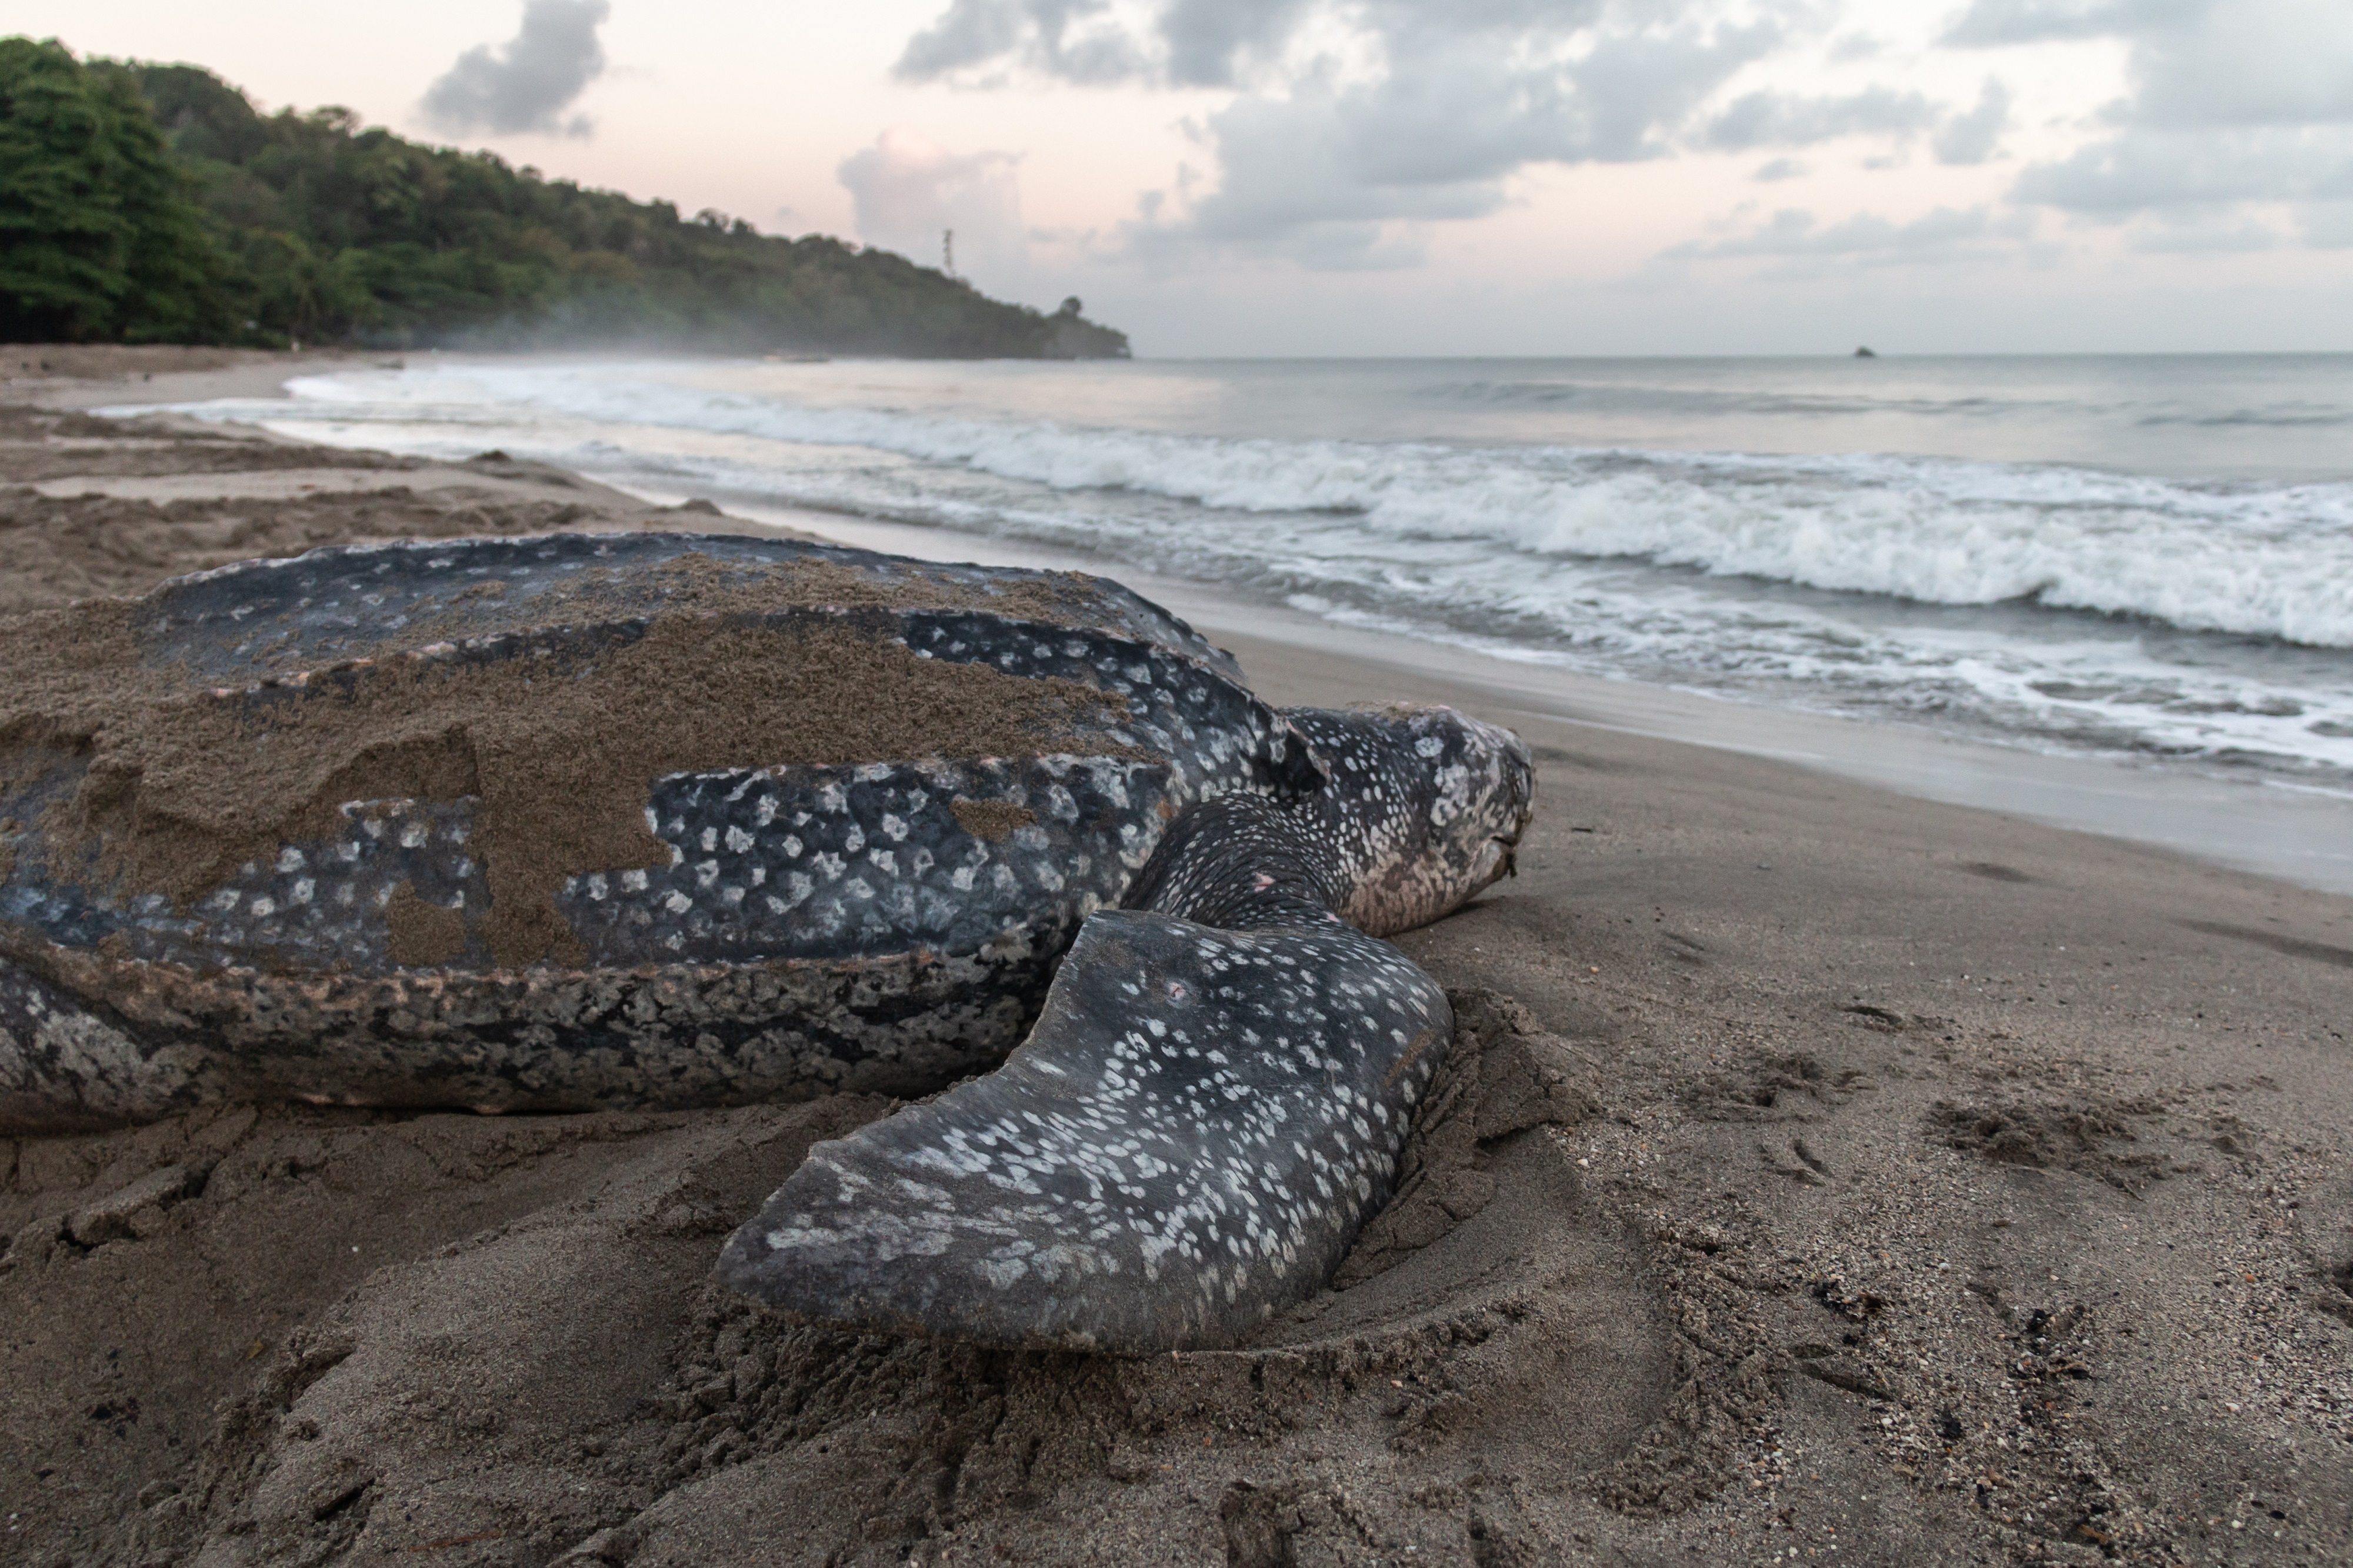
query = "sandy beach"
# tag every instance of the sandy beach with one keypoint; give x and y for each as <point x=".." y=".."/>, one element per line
<point x="1823" y="1172"/>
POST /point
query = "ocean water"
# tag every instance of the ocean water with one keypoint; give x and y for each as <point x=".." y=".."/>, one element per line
<point x="2148" y="557"/>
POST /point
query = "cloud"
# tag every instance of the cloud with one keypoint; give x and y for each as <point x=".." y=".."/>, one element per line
<point x="1778" y="169"/>
<point x="1077" y="40"/>
<point x="2202" y="236"/>
<point x="1354" y="125"/>
<point x="1795" y="246"/>
<point x="1783" y="120"/>
<point x="907" y="191"/>
<point x="1993" y="23"/>
<point x="1207" y="40"/>
<point x="1942" y="235"/>
<point x="2231" y="101"/>
<point x="1971" y="137"/>
<point x="2253" y="62"/>
<point x="1415" y="111"/>
<point x="1771" y="119"/>
<point x="2145" y="170"/>
<point x="527" y="85"/>
<point x="1319" y="176"/>
<point x="2199" y="62"/>
<point x="1188" y="43"/>
<point x="2327" y="225"/>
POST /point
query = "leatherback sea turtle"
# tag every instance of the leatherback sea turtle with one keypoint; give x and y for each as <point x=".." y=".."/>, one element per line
<point x="639" y="820"/>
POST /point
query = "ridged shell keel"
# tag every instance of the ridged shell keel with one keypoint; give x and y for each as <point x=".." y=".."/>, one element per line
<point x="66" y="1067"/>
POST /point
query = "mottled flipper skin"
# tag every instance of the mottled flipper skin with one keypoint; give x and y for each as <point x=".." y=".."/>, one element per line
<point x="1186" y="1143"/>
<point x="1214" y="1099"/>
<point x="65" y="1066"/>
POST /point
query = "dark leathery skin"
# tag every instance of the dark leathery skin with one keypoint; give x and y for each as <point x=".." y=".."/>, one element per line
<point x="321" y="901"/>
<point x="1186" y="1143"/>
<point x="1422" y="808"/>
<point x="539" y="1038"/>
<point x="1211" y="1103"/>
<point x="66" y="1067"/>
<point x="942" y="940"/>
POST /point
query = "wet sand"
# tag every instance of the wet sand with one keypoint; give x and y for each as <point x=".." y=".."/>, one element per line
<point x="1921" y="1185"/>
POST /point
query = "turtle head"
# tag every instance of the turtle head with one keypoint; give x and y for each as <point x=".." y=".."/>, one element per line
<point x="1423" y="808"/>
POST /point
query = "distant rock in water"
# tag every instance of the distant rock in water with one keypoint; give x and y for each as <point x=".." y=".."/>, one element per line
<point x="1865" y="353"/>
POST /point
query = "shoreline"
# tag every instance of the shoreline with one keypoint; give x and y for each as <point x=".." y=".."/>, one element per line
<point x="2256" y="824"/>
<point x="1927" y="1184"/>
<point x="2249" y="824"/>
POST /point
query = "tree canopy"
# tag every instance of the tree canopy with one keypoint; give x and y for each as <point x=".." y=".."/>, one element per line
<point x="151" y="203"/>
<point x="99" y="236"/>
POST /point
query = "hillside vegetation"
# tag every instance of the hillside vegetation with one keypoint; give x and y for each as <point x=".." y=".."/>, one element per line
<point x="151" y="204"/>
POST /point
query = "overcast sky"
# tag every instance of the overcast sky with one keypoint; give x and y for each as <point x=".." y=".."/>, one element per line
<point x="1427" y="176"/>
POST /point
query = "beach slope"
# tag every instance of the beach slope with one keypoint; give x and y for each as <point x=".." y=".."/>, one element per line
<point x="1821" y="1171"/>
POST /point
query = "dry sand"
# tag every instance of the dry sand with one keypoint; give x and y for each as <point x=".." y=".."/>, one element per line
<point x="1824" y="1174"/>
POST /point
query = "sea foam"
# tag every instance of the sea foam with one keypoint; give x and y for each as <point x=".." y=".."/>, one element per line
<point x="2051" y="605"/>
<point x="2270" y="561"/>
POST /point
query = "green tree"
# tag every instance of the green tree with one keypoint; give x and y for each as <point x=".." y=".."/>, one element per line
<point x="100" y="237"/>
<point x="144" y="201"/>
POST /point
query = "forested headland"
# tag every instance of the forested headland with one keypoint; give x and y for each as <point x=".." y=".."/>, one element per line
<point x="144" y="203"/>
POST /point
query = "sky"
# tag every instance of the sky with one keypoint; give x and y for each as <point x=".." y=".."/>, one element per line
<point x="1353" y="177"/>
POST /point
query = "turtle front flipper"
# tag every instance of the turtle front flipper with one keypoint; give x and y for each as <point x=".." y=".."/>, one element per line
<point x="1188" y="1143"/>
<point x="66" y="1066"/>
<point x="1214" y="1099"/>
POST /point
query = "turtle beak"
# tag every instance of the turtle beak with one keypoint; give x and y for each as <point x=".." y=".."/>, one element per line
<point x="1498" y="860"/>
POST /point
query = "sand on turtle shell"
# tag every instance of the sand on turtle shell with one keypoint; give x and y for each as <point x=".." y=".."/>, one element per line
<point x="700" y="584"/>
<point x="994" y="820"/>
<point x="54" y="551"/>
<point x="559" y="748"/>
<point x="420" y="931"/>
<point x="183" y="785"/>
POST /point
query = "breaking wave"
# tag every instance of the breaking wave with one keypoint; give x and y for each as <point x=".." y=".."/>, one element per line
<point x="2262" y="561"/>
<point x="2039" y="602"/>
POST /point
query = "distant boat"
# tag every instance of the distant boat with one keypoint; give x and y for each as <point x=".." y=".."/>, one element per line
<point x="1865" y="353"/>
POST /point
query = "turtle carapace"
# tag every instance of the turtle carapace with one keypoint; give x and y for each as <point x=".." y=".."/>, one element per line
<point x="665" y="820"/>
